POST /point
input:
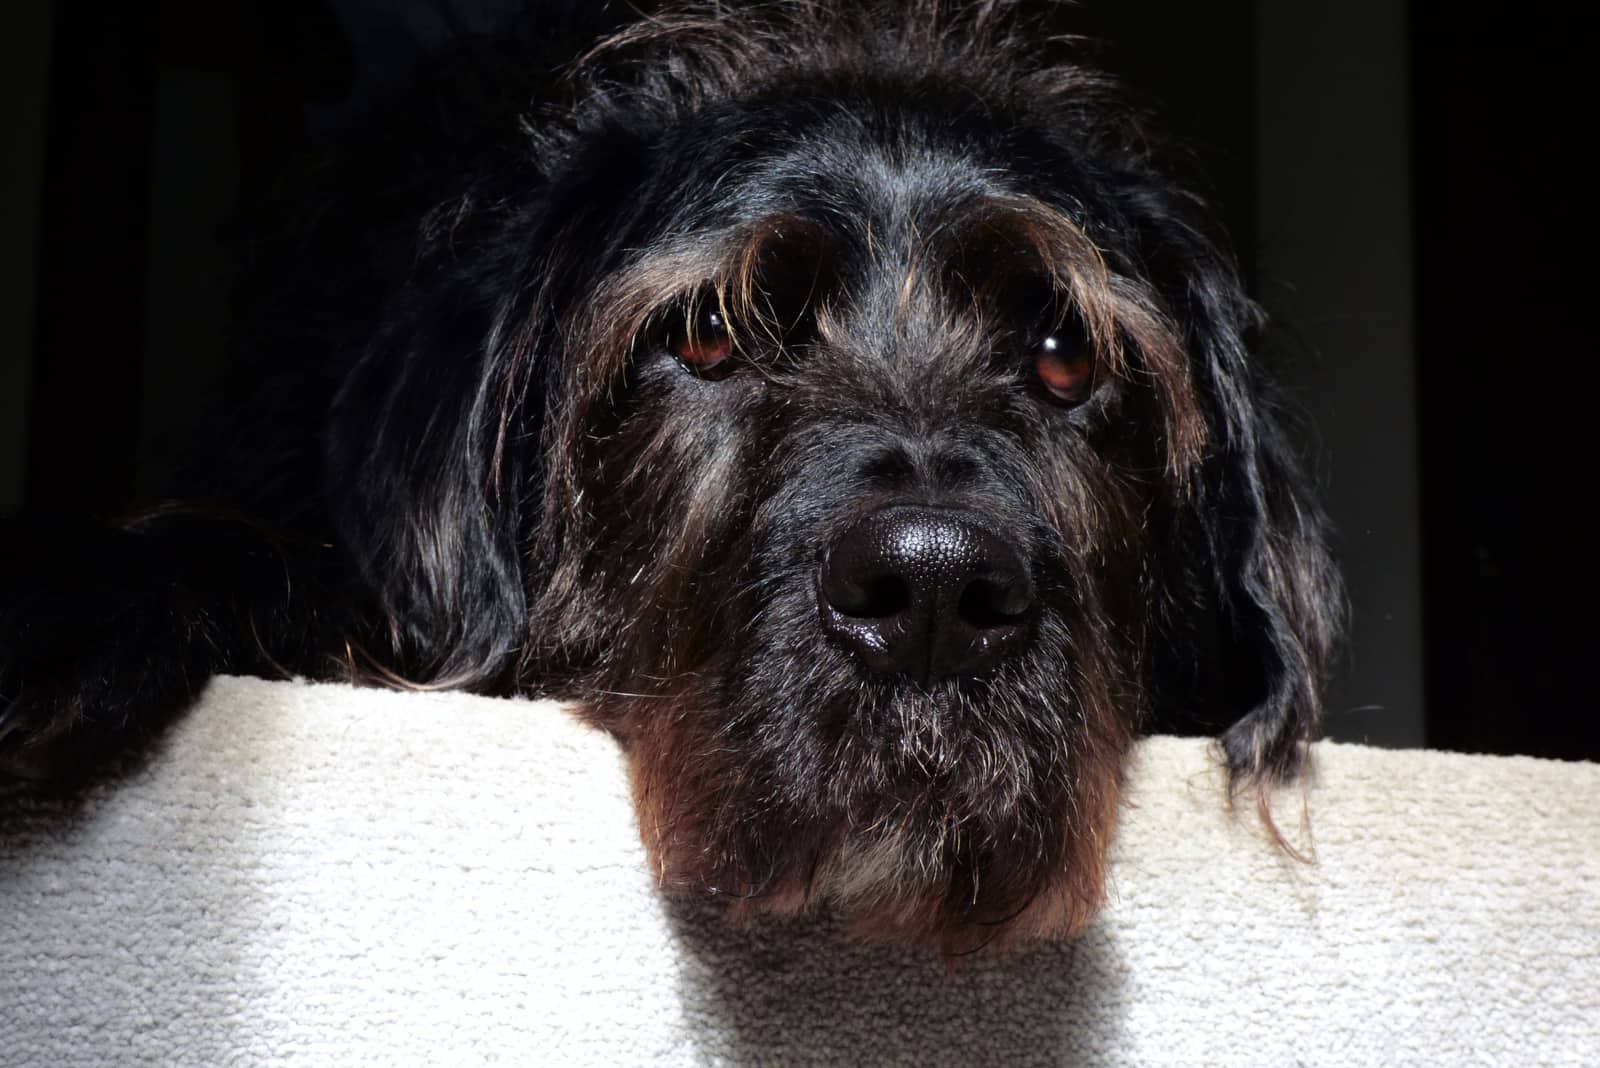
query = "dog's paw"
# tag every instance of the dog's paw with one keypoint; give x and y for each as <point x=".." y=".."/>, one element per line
<point x="96" y="652"/>
<point x="35" y="740"/>
<point x="74" y="696"/>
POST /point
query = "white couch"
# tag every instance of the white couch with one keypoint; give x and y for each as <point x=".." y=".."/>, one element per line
<point x="314" y="874"/>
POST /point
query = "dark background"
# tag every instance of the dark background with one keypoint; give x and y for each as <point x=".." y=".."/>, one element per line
<point x="1408" y="197"/>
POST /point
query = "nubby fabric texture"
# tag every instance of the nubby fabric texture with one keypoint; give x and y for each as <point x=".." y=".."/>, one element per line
<point x="315" y="874"/>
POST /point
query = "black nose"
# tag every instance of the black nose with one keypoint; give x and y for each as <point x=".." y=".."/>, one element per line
<point x="926" y="592"/>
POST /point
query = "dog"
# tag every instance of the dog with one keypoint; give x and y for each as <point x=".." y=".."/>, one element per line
<point x="840" y="403"/>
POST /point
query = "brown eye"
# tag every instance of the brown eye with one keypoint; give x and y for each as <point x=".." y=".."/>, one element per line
<point x="702" y="343"/>
<point x="1064" y="366"/>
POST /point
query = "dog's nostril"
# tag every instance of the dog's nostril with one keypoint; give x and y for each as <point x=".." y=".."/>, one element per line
<point x="850" y="584"/>
<point x="991" y="603"/>
<point x="926" y="592"/>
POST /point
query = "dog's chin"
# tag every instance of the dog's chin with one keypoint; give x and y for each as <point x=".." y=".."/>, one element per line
<point x="913" y="817"/>
<point x="892" y="887"/>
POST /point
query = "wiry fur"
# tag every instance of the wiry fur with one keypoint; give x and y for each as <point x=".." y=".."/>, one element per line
<point x="526" y="492"/>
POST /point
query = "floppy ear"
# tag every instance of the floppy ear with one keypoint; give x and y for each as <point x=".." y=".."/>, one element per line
<point x="426" y="493"/>
<point x="1274" y="592"/>
<point x="1283" y="597"/>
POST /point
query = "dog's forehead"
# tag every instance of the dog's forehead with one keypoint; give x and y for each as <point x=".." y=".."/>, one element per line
<point x="890" y="189"/>
<point x="878" y="170"/>
<point x="890" y="181"/>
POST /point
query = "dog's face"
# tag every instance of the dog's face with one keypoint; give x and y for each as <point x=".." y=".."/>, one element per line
<point x="872" y="495"/>
<point x="898" y="462"/>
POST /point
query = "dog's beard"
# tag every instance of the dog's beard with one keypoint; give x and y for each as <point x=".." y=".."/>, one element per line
<point x="976" y="809"/>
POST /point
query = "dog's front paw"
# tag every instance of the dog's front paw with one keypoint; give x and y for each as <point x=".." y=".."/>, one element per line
<point x="73" y="697"/>
<point x="97" y="649"/>
<point x="35" y="739"/>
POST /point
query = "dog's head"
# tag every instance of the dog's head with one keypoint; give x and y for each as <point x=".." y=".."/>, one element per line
<point x="849" y="411"/>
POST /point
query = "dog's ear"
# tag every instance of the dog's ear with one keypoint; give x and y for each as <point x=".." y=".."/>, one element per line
<point x="427" y="495"/>
<point x="1283" y="598"/>
<point x="1259" y="567"/>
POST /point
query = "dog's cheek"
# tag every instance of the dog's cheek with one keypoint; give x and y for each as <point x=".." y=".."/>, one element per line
<point x="713" y="815"/>
<point x="667" y="495"/>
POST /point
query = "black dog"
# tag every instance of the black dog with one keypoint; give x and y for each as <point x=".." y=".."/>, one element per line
<point x="836" y="400"/>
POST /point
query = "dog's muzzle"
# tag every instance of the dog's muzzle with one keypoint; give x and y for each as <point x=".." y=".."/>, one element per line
<point x="926" y="593"/>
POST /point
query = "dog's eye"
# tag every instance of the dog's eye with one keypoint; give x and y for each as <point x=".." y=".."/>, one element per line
<point x="701" y="341"/>
<point x="1064" y="365"/>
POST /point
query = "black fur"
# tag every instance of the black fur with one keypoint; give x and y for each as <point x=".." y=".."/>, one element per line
<point x="475" y="460"/>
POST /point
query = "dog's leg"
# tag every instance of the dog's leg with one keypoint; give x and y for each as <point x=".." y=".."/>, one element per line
<point x="107" y="633"/>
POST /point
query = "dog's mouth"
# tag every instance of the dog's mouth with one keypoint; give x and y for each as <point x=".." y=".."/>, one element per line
<point x="951" y="811"/>
<point x="952" y="848"/>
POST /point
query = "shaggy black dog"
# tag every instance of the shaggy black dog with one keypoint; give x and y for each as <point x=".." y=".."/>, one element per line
<point x="838" y="401"/>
